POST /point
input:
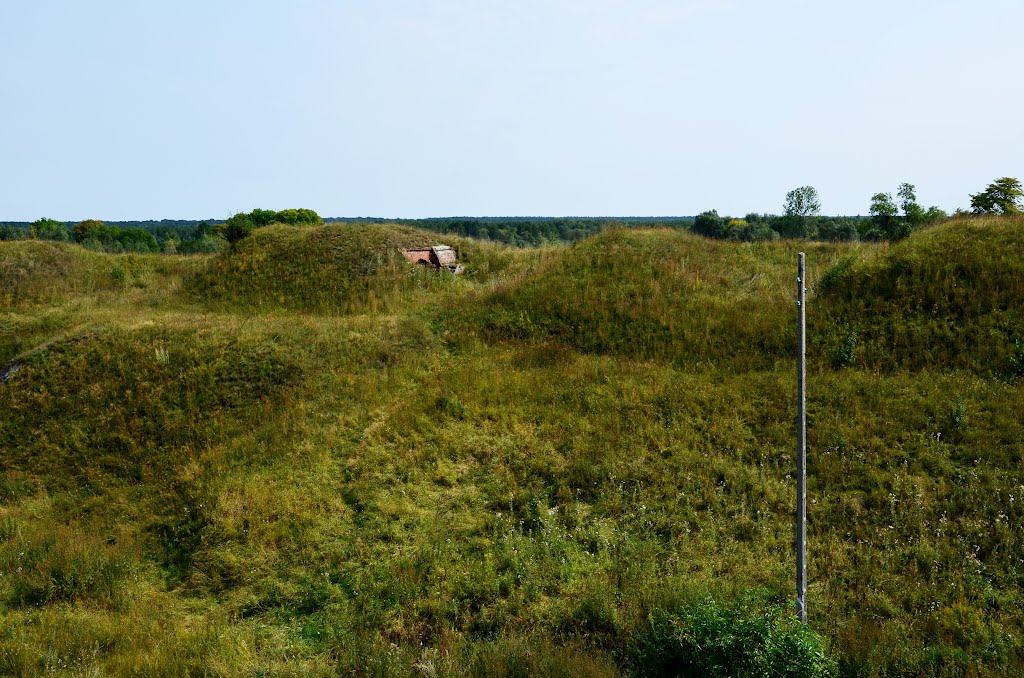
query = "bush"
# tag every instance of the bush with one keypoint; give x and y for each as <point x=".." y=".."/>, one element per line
<point x="8" y="232"/>
<point x="49" y="229"/>
<point x="263" y="217"/>
<point x="1016" y="359"/>
<point x="237" y="226"/>
<point x="844" y="354"/>
<point x="709" y="224"/>
<point x="207" y="244"/>
<point x="299" y="217"/>
<point x="839" y="229"/>
<point x="89" y="229"/>
<point x="704" y="638"/>
<point x="96" y="235"/>
<point x="240" y="225"/>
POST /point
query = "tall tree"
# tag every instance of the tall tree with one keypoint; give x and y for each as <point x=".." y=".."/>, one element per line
<point x="1003" y="196"/>
<point x="885" y="217"/>
<point x="801" y="204"/>
<point x="913" y="213"/>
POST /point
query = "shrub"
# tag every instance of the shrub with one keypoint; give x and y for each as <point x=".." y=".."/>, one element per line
<point x="89" y="229"/>
<point x="299" y="216"/>
<point x="839" y="229"/>
<point x="242" y="224"/>
<point x="237" y="226"/>
<point x="709" y="224"/>
<point x="8" y="232"/>
<point x="704" y="638"/>
<point x="49" y="229"/>
<point x="263" y="217"/>
<point x="837" y="276"/>
<point x="1017" y="359"/>
<point x="207" y="244"/>
<point x="843" y="355"/>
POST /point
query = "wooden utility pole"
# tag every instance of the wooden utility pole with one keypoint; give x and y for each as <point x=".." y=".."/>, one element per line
<point x="801" y="445"/>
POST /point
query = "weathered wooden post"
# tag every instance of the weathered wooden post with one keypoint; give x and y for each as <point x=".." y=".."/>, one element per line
<point x="801" y="445"/>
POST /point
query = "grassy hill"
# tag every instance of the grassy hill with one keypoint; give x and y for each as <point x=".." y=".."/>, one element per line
<point x="332" y="269"/>
<point x="948" y="297"/>
<point x="659" y="294"/>
<point x="304" y="457"/>
<point x="34" y="273"/>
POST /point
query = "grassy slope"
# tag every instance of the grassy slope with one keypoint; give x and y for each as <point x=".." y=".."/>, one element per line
<point x="949" y="297"/>
<point x="657" y="294"/>
<point x="440" y="485"/>
<point x="332" y="269"/>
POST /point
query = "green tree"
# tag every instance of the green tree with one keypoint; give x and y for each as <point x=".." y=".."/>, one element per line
<point x="88" y="229"/>
<point x="263" y="217"/>
<point x="1003" y="196"/>
<point x="237" y="227"/>
<point x="129" y="239"/>
<point x="934" y="214"/>
<point x="737" y="229"/>
<point x="913" y="214"/>
<point x="9" y="232"/>
<point x="299" y="216"/>
<point x="709" y="224"/>
<point x="885" y="217"/>
<point x="49" y="229"/>
<point x="838" y="229"/>
<point x="801" y="204"/>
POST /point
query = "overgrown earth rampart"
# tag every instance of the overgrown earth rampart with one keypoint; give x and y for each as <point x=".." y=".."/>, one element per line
<point x="304" y="456"/>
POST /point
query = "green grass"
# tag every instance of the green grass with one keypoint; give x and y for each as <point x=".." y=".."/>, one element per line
<point x="332" y="269"/>
<point x="947" y="298"/>
<point x="570" y="461"/>
<point x="657" y="294"/>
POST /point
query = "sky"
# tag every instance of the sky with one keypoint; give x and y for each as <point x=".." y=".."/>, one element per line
<point x="398" y="108"/>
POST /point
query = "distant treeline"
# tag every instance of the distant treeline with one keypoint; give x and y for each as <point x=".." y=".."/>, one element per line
<point x="170" y="236"/>
<point x="193" y="236"/>
<point x="890" y="219"/>
<point x="185" y="237"/>
<point x="530" y="231"/>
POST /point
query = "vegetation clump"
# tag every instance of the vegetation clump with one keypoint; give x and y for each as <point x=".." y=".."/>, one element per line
<point x="96" y="235"/>
<point x="1002" y="196"/>
<point x="749" y="638"/>
<point x="240" y="225"/>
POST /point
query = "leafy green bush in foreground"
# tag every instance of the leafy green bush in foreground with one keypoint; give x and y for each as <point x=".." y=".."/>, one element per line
<point x="705" y="638"/>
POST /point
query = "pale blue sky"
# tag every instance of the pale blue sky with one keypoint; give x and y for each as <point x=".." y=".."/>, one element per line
<point x="193" y="109"/>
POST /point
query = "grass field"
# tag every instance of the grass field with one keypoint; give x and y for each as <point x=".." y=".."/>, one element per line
<point x="306" y="457"/>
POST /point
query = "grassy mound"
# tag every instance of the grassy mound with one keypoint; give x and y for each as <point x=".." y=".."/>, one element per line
<point x="337" y="268"/>
<point x="658" y="294"/>
<point x="34" y="272"/>
<point x="948" y="297"/>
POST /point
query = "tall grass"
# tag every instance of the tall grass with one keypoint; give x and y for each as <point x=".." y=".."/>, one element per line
<point x="656" y="294"/>
<point x="432" y="485"/>
<point x="949" y="297"/>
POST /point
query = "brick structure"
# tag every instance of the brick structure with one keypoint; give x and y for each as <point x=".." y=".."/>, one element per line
<point x="439" y="257"/>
